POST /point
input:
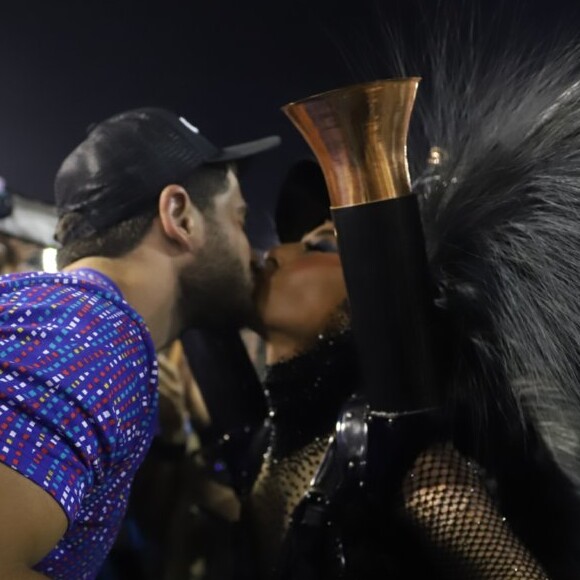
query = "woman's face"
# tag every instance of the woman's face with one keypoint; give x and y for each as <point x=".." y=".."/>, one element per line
<point x="301" y="287"/>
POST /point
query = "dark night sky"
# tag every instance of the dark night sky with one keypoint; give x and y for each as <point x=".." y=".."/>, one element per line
<point x="227" y="65"/>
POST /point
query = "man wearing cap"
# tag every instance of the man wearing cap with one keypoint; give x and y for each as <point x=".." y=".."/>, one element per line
<point x="151" y="229"/>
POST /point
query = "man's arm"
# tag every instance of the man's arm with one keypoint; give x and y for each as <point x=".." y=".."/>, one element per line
<point x="31" y="524"/>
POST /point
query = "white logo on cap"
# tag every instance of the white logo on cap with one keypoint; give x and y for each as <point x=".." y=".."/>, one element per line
<point x="189" y="125"/>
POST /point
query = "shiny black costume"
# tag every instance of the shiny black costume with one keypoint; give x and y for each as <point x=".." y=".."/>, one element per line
<point x="501" y="213"/>
<point x="363" y="533"/>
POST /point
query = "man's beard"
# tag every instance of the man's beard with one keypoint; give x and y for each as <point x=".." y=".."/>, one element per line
<point x="217" y="291"/>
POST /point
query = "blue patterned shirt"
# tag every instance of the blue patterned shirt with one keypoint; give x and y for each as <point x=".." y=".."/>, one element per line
<point x="78" y="404"/>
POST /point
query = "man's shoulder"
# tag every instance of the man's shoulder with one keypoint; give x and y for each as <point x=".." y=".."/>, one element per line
<point x="62" y="309"/>
<point x="31" y="282"/>
<point x="79" y="294"/>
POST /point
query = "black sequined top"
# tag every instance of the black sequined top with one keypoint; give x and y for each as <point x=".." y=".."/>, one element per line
<point x="305" y="396"/>
<point x="305" y="393"/>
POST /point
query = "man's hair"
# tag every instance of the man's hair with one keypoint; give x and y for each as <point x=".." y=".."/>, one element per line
<point x="202" y="185"/>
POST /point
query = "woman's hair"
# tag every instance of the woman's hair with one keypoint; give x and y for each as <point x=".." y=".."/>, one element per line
<point x="303" y="202"/>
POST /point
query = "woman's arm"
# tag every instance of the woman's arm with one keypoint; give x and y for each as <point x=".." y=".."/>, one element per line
<point x="445" y="496"/>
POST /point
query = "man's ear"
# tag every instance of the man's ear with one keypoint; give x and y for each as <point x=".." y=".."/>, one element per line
<point x="180" y="220"/>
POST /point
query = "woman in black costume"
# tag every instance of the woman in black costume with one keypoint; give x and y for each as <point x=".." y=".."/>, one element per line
<point x="497" y="498"/>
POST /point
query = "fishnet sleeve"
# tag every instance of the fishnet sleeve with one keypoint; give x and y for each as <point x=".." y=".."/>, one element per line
<point x="446" y="498"/>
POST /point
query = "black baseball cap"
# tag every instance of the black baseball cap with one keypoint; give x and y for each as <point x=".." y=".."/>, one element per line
<point x="125" y="162"/>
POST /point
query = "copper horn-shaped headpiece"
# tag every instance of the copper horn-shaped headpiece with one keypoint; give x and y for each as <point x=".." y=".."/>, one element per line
<point x="359" y="136"/>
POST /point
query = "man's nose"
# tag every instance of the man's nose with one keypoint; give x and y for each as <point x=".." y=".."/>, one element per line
<point x="257" y="257"/>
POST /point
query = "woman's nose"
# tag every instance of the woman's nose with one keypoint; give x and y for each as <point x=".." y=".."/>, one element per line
<point x="284" y="253"/>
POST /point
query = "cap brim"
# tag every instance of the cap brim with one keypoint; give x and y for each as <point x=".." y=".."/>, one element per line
<point x="248" y="149"/>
